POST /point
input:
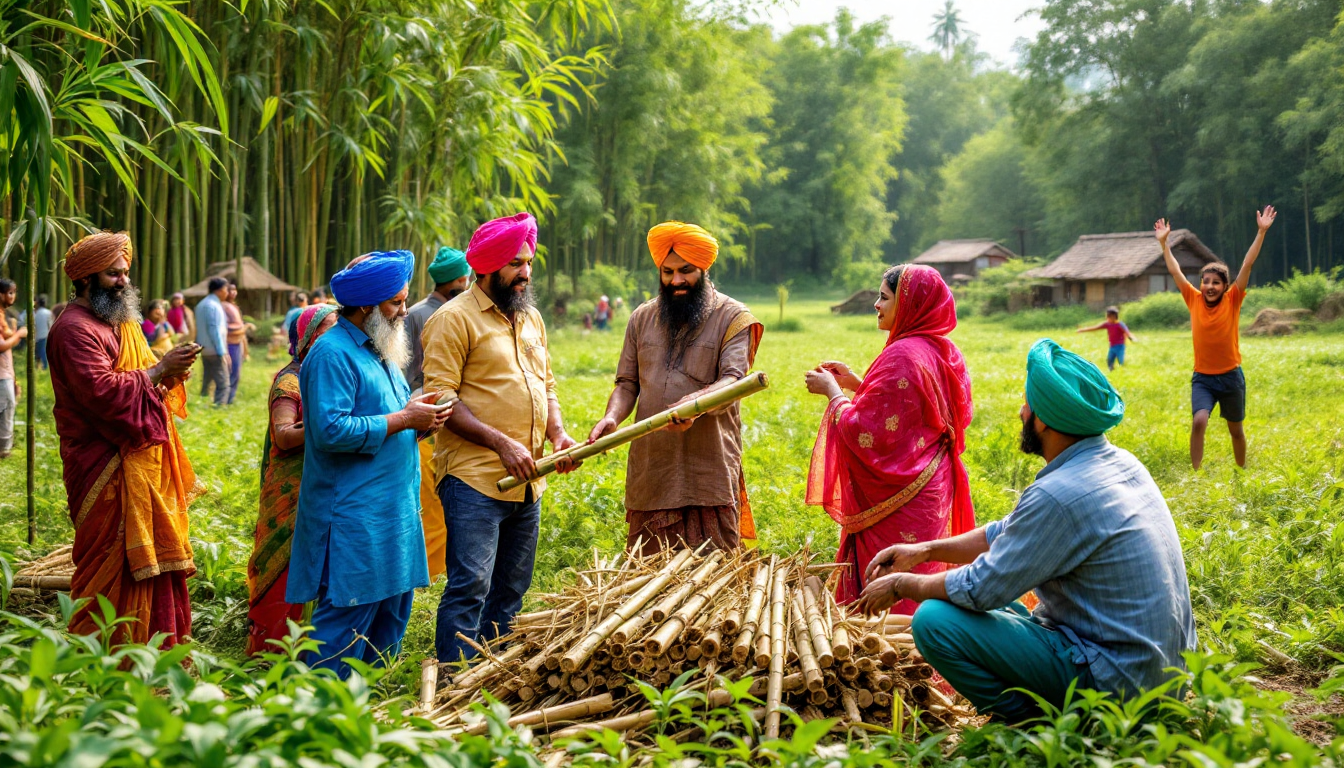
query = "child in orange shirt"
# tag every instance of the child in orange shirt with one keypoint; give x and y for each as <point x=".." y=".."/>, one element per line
<point x="1215" y="311"/>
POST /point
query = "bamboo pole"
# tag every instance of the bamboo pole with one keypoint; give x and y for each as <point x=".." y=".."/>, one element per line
<point x="803" y="642"/>
<point x="547" y="716"/>
<point x="429" y="683"/>
<point x="816" y="628"/>
<point x="709" y="401"/>
<point x="755" y="603"/>
<point x="677" y="622"/>
<point x="774" y="693"/>
<point x="664" y="608"/>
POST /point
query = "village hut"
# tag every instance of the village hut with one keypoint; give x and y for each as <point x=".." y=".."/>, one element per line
<point x="259" y="292"/>
<point x="1100" y="270"/>
<point x="963" y="260"/>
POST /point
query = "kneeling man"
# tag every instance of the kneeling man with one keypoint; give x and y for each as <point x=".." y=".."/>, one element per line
<point x="1092" y="536"/>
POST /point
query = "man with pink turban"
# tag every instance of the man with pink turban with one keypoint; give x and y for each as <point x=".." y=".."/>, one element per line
<point x="487" y="350"/>
<point x="684" y="485"/>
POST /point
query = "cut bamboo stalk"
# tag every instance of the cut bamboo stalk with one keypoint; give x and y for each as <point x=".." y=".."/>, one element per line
<point x="712" y="642"/>
<point x="732" y="621"/>
<point x="627" y="632"/>
<point x="585" y="647"/>
<point x="840" y="642"/>
<point x="751" y="621"/>
<point x="622" y="724"/>
<point x="762" y="651"/>
<point x="849" y="670"/>
<point x="851" y="705"/>
<point x="677" y="622"/>
<point x="673" y="600"/>
<point x="750" y="385"/>
<point x="881" y="681"/>
<point x="882" y="699"/>
<point x="429" y="683"/>
<point x="803" y="643"/>
<point x="816" y="628"/>
<point x="774" y="694"/>
<point x="59" y="583"/>
<point x="473" y="677"/>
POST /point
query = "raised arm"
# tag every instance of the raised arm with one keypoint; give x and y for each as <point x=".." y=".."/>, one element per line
<point x="1263" y="221"/>
<point x="1096" y="327"/>
<point x="1162" y="230"/>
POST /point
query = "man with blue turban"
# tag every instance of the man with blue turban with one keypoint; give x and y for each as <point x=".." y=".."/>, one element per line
<point x="358" y="548"/>
<point x="1092" y="537"/>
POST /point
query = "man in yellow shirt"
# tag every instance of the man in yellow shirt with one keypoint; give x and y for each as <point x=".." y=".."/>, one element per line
<point x="487" y="348"/>
<point x="1215" y="312"/>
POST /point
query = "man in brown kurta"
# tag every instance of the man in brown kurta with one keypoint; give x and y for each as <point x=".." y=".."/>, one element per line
<point x="684" y="485"/>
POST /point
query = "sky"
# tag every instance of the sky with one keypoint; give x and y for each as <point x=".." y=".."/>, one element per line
<point x="996" y="23"/>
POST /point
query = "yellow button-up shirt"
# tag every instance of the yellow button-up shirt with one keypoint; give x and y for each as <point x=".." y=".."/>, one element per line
<point x="502" y="372"/>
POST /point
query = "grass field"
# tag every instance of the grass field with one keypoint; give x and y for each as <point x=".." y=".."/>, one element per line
<point x="1264" y="546"/>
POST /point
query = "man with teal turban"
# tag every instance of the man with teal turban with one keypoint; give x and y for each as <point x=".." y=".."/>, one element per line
<point x="451" y="276"/>
<point x="1092" y="537"/>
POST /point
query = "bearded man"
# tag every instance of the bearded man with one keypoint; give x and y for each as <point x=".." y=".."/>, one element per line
<point x="358" y="548"/>
<point x="684" y="485"/>
<point x="128" y="481"/>
<point x="1092" y="536"/>
<point x="487" y="349"/>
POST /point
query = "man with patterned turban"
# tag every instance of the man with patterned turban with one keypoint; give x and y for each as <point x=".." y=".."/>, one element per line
<point x="684" y="485"/>
<point x="358" y="547"/>
<point x="1092" y="536"/>
<point x="487" y="349"/>
<point x="127" y="479"/>
<point x="450" y="274"/>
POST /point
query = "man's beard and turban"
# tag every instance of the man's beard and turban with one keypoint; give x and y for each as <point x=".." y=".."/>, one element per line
<point x="682" y="315"/>
<point x="497" y="242"/>
<point x="114" y="306"/>
<point x="1030" y="441"/>
<point x="95" y="253"/>
<point x="389" y="338"/>
<point x="507" y="297"/>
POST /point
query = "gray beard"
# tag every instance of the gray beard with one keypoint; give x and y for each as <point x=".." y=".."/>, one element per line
<point x="115" y="307"/>
<point x="389" y="338"/>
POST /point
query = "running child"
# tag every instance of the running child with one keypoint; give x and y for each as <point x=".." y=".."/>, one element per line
<point x="1116" y="333"/>
<point x="1215" y="313"/>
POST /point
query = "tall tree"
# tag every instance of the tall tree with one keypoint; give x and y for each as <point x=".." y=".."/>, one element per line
<point x="947" y="29"/>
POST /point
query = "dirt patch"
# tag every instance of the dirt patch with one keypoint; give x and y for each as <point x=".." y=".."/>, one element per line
<point x="1277" y="322"/>
<point x="1309" y="716"/>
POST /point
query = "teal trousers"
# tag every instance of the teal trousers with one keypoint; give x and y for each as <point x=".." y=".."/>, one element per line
<point x="985" y="654"/>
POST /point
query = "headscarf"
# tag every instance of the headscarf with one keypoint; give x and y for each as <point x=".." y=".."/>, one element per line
<point x="1069" y="393"/>
<point x="304" y="329"/>
<point x="497" y="242"/>
<point x="449" y="264"/>
<point x="373" y="278"/>
<point x="96" y="252"/>
<point x="691" y="242"/>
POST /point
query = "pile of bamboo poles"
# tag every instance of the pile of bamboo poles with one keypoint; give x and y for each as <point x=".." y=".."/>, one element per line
<point x="574" y="667"/>
<point x="54" y="571"/>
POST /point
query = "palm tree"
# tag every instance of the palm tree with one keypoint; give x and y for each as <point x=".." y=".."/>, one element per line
<point x="947" y="29"/>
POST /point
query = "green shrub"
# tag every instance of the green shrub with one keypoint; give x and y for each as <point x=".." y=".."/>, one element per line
<point x="992" y="292"/>
<point x="1275" y="296"/>
<point x="1309" y="289"/>
<point x="858" y="275"/>
<point x="787" y="325"/>
<point x="1156" y="310"/>
<point x="1069" y="316"/>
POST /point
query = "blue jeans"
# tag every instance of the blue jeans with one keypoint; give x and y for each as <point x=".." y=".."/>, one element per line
<point x="235" y="370"/>
<point x="983" y="654"/>
<point x="1115" y="354"/>
<point x="361" y="632"/>
<point x="41" y="352"/>
<point x="492" y="546"/>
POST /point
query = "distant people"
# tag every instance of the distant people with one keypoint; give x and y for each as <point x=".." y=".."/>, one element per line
<point x="587" y="322"/>
<point x="40" y="329"/>
<point x="358" y="548"/>
<point x="158" y="333"/>
<point x="1215" y="315"/>
<point x="298" y="301"/>
<point x="320" y="296"/>
<point x="212" y="336"/>
<point x="451" y="277"/>
<point x="1092" y="536"/>
<point x="684" y="485"/>
<point x="281" y="475"/>
<point x="128" y="481"/>
<point x="180" y="316"/>
<point x="236" y="337"/>
<point x="887" y="463"/>
<point x="9" y="384"/>
<point x="1116" y="333"/>
<point x="488" y="348"/>
<point x="602" y="313"/>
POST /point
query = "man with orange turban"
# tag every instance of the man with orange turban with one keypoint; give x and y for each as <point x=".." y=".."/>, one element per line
<point x="127" y="480"/>
<point x="684" y="485"/>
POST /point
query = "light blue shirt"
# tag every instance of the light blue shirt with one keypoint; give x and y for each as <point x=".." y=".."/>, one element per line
<point x="211" y="326"/>
<point x="1094" y="538"/>
<point x="291" y="316"/>
<point x="359" y="500"/>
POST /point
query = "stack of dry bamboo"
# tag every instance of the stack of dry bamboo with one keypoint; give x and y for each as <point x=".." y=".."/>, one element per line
<point x="53" y="571"/>
<point x="573" y="668"/>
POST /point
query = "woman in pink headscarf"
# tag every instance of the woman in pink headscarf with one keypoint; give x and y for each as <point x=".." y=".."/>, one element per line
<point x="281" y="472"/>
<point x="887" y="464"/>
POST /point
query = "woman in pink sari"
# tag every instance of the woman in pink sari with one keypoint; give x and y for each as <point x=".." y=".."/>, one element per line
<point x="887" y="464"/>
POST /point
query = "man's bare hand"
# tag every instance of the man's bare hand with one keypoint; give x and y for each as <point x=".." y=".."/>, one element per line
<point x="879" y="595"/>
<point x="423" y="413"/>
<point x="1162" y="230"/>
<point x="176" y="363"/>
<point x="1265" y="219"/>
<point x="898" y="558"/>
<point x="604" y="427"/>
<point x="22" y="333"/>
<point x="565" y="465"/>
<point x="518" y="461"/>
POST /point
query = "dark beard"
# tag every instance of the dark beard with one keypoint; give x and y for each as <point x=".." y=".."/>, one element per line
<point x="1030" y="441"/>
<point x="508" y="300"/>
<point x="681" y="316"/>
<point x="114" y="306"/>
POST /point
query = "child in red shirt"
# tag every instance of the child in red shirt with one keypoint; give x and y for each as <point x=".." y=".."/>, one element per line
<point x="1116" y="333"/>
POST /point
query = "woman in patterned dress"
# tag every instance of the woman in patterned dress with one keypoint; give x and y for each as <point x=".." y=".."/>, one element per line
<point x="281" y="469"/>
<point x="887" y="464"/>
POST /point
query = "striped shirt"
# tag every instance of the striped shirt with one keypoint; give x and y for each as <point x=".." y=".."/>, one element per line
<point x="1094" y="538"/>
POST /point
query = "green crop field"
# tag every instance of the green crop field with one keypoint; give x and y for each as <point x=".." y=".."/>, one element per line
<point x="1264" y="546"/>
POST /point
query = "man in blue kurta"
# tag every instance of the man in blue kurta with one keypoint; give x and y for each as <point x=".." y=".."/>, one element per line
<point x="1092" y="536"/>
<point x="358" y="546"/>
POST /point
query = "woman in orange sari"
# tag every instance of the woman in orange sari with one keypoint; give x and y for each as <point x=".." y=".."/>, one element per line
<point x="281" y="471"/>
<point x="887" y="464"/>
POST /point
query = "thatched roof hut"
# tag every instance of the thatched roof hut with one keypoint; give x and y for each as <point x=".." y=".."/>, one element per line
<point x="259" y="292"/>
<point x="1122" y="266"/>
<point x="964" y="259"/>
